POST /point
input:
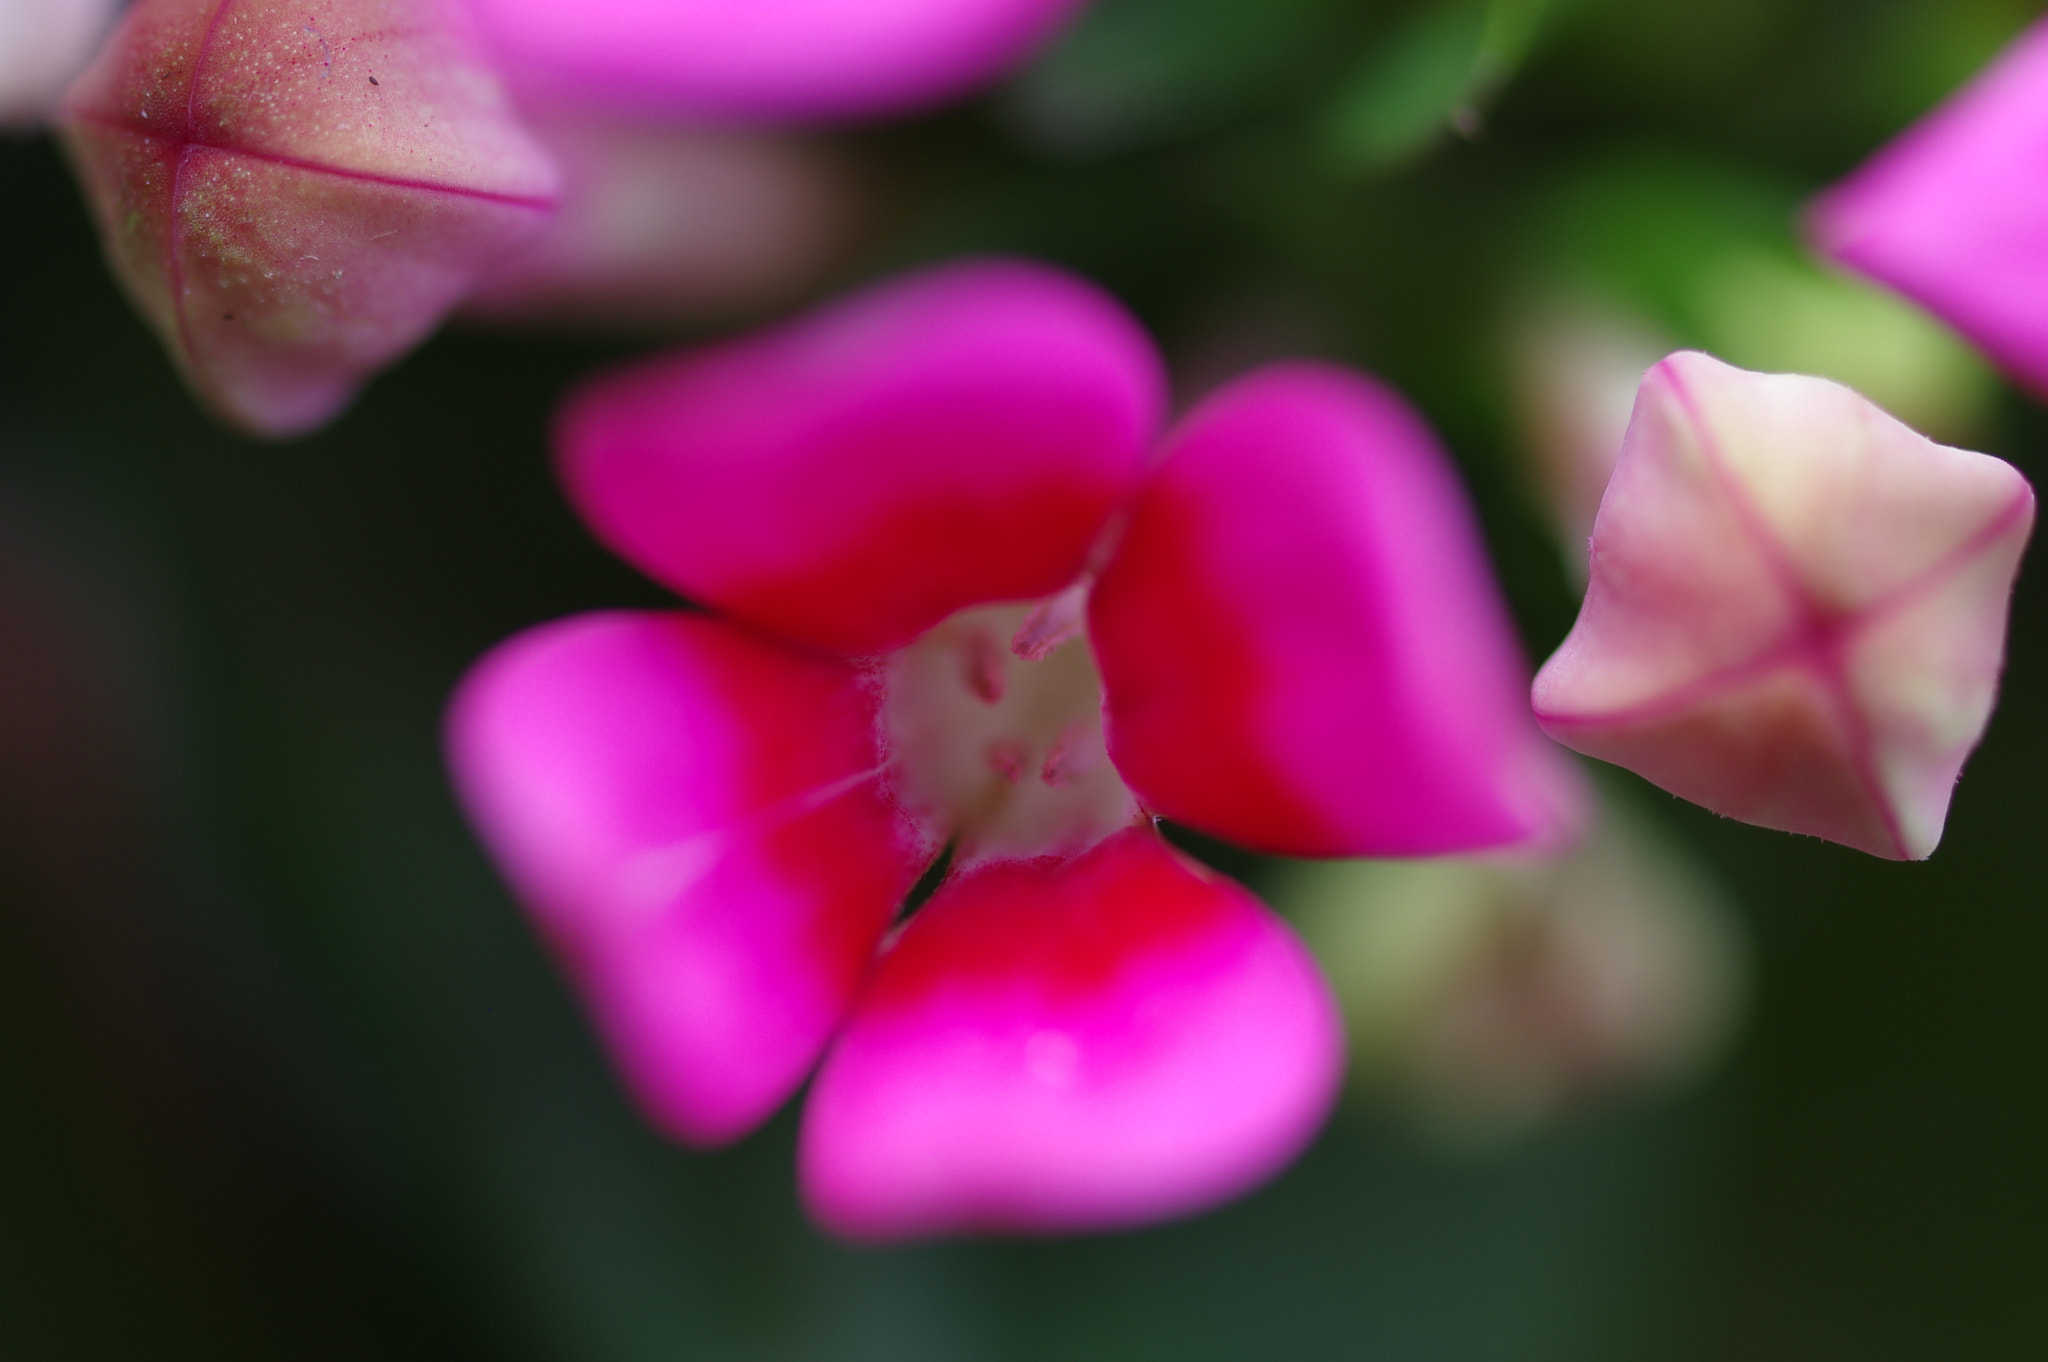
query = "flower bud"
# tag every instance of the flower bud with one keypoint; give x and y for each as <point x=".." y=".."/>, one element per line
<point x="1486" y="996"/>
<point x="295" y="194"/>
<point x="1796" y="611"/>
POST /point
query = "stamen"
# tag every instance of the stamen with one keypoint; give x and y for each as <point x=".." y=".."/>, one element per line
<point x="1006" y="757"/>
<point x="985" y="667"/>
<point x="1071" y="757"/>
<point x="1052" y="622"/>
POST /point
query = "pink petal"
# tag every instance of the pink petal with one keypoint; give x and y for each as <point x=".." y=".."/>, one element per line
<point x="294" y="194"/>
<point x="1064" y="1046"/>
<point x="695" y="819"/>
<point x="772" y="59"/>
<point x="849" y="480"/>
<point x="1954" y="214"/>
<point x="1797" y="607"/>
<point x="1301" y="646"/>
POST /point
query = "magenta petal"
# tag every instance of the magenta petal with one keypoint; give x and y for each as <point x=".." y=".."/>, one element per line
<point x="295" y="193"/>
<point x="774" y="59"/>
<point x="1302" y="648"/>
<point x="1064" y="1046"/>
<point x="954" y="437"/>
<point x="1954" y="214"/>
<point x="693" y="816"/>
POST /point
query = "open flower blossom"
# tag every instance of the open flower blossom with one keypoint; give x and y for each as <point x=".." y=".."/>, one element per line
<point x="1797" y="606"/>
<point x="294" y="194"/>
<point x="959" y="594"/>
<point x="765" y="60"/>
<point x="1954" y="213"/>
<point x="43" y="44"/>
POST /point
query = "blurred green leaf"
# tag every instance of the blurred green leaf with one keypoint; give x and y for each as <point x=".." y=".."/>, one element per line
<point x="1134" y="73"/>
<point x="1434" y="74"/>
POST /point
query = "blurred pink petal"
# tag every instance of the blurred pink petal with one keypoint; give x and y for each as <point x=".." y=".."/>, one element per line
<point x="294" y="194"/>
<point x="1954" y="214"/>
<point x="767" y="59"/>
<point x="663" y="222"/>
<point x="43" y="44"/>
<point x="850" y="479"/>
<point x="696" y="817"/>
<point x="1053" y="1047"/>
<point x="1301" y="643"/>
<point x="1797" y="608"/>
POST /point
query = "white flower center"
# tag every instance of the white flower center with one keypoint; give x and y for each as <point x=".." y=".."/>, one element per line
<point x="994" y="719"/>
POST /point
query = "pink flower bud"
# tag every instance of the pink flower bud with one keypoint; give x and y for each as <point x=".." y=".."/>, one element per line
<point x="295" y="194"/>
<point x="1797" y="607"/>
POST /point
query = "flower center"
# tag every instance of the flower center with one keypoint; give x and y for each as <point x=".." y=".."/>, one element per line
<point x="994" y="718"/>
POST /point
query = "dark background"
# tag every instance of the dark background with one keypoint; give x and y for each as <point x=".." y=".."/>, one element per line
<point x="283" y="1074"/>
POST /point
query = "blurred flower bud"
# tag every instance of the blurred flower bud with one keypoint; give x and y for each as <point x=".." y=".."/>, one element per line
<point x="295" y="194"/>
<point x="1486" y="996"/>
<point x="667" y="222"/>
<point x="1575" y="367"/>
<point x="1796" y="614"/>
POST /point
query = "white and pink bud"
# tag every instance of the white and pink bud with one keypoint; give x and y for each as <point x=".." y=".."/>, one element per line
<point x="1488" y="996"/>
<point x="294" y="195"/>
<point x="1796" y="611"/>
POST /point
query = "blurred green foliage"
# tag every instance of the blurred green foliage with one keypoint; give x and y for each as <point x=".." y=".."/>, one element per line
<point x="287" y="1075"/>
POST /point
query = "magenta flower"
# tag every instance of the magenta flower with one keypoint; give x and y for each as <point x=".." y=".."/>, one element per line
<point x="959" y="598"/>
<point x="294" y="194"/>
<point x="1796" y="614"/>
<point x="766" y="59"/>
<point x="1954" y="214"/>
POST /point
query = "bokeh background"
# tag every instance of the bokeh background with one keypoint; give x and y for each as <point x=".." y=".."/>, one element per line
<point x="283" y="1073"/>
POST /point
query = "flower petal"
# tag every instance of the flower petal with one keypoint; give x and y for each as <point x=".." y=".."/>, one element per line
<point x="954" y="437"/>
<point x="1954" y="214"/>
<point x="296" y="194"/>
<point x="1301" y="647"/>
<point x="695" y="817"/>
<point x="1797" y="608"/>
<point x="1062" y="1046"/>
<point x="775" y="59"/>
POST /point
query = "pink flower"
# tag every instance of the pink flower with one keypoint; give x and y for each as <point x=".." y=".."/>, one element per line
<point x="1954" y="214"/>
<point x="766" y="59"/>
<point x="959" y="598"/>
<point x="294" y="194"/>
<point x="1796" y="614"/>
